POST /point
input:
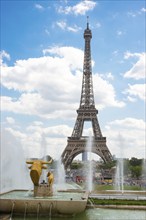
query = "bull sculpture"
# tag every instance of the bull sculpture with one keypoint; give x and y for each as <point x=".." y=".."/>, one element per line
<point x="36" y="169"/>
<point x="50" y="178"/>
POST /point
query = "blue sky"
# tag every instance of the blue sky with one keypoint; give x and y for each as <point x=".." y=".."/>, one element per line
<point x="42" y="50"/>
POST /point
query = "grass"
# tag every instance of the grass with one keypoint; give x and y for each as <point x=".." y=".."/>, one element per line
<point x="110" y="187"/>
<point x="102" y="189"/>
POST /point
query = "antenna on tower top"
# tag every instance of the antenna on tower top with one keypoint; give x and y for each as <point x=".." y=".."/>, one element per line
<point x="87" y="22"/>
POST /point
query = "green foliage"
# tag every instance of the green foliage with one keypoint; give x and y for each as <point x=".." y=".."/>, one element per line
<point x="135" y="162"/>
<point x="108" y="165"/>
<point x="136" y="171"/>
<point x="75" y="166"/>
<point x="103" y="188"/>
<point x="132" y="167"/>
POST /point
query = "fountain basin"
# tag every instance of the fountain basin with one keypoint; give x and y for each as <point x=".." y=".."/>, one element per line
<point x="21" y="202"/>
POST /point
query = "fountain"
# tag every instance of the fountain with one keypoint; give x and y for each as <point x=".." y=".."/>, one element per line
<point x="41" y="200"/>
<point x="144" y="174"/>
<point x="119" y="175"/>
<point x="60" y="175"/>
<point x="89" y="167"/>
<point x="43" y="189"/>
<point x="14" y="172"/>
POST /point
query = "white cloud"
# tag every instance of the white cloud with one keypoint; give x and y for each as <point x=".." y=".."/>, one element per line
<point x="137" y="72"/>
<point x="79" y="9"/>
<point x="27" y="103"/>
<point x="143" y="9"/>
<point x="73" y="56"/>
<point x="39" y="7"/>
<point x="106" y="95"/>
<point x="4" y="54"/>
<point x="139" y="67"/>
<point x="10" y="120"/>
<point x="110" y="75"/>
<point x="107" y="76"/>
<point x="47" y="32"/>
<point x="51" y="140"/>
<point x="119" y="33"/>
<point x="37" y="123"/>
<point x="115" y="52"/>
<point x="129" y="123"/>
<point x="74" y="28"/>
<point x="45" y="140"/>
<point x="134" y="14"/>
<point x="33" y="104"/>
<point x="98" y="25"/>
<point x="50" y="86"/>
<point x="63" y="25"/>
<point x="136" y="91"/>
<point x="132" y="131"/>
<point x="131" y="99"/>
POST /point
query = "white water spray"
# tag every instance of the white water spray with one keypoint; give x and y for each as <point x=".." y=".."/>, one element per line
<point x="59" y="175"/>
<point x="144" y="173"/>
<point x="119" y="177"/>
<point x="89" y="167"/>
<point x="14" y="171"/>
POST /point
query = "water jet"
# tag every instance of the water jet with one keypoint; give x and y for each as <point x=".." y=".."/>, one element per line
<point x="42" y="200"/>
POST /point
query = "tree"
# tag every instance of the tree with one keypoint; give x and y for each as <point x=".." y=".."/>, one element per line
<point x="135" y="162"/>
<point x="136" y="171"/>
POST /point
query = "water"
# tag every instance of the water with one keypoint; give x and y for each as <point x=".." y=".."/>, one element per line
<point x="144" y="174"/>
<point x="60" y="175"/>
<point x="14" y="195"/>
<point x="98" y="214"/>
<point x="25" y="210"/>
<point x="119" y="176"/>
<point x="14" y="171"/>
<point x="89" y="167"/>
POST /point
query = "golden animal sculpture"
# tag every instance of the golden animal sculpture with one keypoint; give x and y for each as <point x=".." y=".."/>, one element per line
<point x="36" y="169"/>
<point x="50" y="178"/>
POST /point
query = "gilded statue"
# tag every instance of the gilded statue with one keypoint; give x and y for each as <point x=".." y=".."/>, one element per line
<point x="36" y="169"/>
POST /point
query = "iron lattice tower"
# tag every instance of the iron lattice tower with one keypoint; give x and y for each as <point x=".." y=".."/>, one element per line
<point x="76" y="144"/>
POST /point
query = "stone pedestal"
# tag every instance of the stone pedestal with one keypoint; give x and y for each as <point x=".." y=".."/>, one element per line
<point x="43" y="190"/>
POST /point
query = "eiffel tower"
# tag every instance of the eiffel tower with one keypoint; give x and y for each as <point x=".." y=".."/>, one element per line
<point x="76" y="144"/>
